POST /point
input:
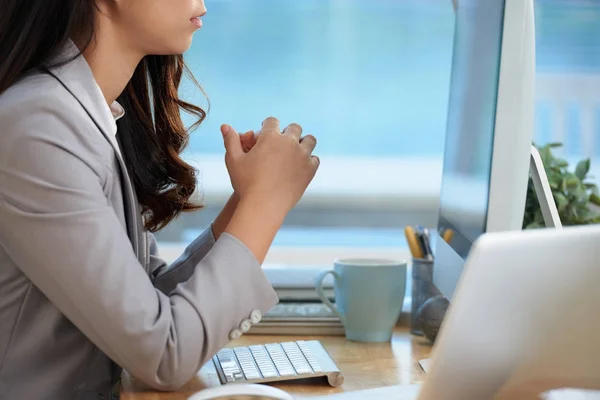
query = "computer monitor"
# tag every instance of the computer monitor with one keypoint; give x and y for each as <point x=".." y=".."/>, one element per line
<point x="489" y="129"/>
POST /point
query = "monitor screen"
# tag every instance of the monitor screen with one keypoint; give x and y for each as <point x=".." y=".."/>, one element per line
<point x="471" y="121"/>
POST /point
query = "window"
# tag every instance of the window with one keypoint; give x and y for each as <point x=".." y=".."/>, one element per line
<point x="568" y="77"/>
<point x="370" y="79"/>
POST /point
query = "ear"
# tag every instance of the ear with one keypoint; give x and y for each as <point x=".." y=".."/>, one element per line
<point x="107" y="7"/>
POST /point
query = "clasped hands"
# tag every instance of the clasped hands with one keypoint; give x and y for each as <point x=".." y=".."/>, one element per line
<point x="272" y="165"/>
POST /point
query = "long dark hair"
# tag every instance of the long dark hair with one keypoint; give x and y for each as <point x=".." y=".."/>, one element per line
<point x="152" y="134"/>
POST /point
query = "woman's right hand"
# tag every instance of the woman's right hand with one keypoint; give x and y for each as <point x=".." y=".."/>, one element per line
<point x="278" y="168"/>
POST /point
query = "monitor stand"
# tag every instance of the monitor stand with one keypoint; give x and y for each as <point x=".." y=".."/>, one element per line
<point x="543" y="191"/>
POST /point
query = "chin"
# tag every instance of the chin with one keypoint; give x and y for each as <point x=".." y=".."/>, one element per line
<point x="185" y="44"/>
<point x="174" y="48"/>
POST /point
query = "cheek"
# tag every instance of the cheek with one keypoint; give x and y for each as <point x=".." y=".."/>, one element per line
<point x="162" y="30"/>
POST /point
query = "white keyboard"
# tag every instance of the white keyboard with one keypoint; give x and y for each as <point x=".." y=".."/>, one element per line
<point x="277" y="362"/>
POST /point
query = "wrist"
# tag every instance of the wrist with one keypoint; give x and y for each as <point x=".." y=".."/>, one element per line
<point x="255" y="223"/>
<point x="265" y="205"/>
<point x="220" y="223"/>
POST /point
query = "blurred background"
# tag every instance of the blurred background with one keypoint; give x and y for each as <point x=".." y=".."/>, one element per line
<point x="370" y="79"/>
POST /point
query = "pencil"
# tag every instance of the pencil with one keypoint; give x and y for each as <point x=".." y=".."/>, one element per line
<point x="413" y="242"/>
<point x="448" y="234"/>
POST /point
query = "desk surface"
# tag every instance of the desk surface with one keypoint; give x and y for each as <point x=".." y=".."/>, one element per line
<point x="364" y="365"/>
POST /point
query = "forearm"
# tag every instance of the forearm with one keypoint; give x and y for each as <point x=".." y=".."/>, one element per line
<point x="255" y="223"/>
<point x="220" y="223"/>
<point x="166" y="277"/>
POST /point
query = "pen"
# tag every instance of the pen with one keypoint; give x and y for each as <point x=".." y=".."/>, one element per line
<point x="427" y="244"/>
<point x="421" y="238"/>
<point x="413" y="242"/>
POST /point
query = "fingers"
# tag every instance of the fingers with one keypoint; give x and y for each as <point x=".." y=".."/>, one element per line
<point x="247" y="135"/>
<point x="248" y="140"/>
<point x="294" y="130"/>
<point x="308" y="142"/>
<point x="270" y="124"/>
<point x="315" y="161"/>
<point x="232" y="141"/>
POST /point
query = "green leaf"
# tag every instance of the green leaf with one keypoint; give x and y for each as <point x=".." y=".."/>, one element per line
<point x="555" y="144"/>
<point x="595" y="199"/>
<point x="553" y="174"/>
<point x="583" y="167"/>
<point x="575" y="213"/>
<point x="561" y="164"/>
<point x="578" y="194"/>
<point x="546" y="156"/>
<point x="573" y="182"/>
<point x="561" y="201"/>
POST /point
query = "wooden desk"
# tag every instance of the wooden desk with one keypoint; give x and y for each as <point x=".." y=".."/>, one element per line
<point x="364" y="365"/>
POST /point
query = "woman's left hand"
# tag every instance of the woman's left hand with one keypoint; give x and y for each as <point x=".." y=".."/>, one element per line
<point x="248" y="140"/>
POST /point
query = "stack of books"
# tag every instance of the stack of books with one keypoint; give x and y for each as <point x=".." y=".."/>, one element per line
<point x="299" y="318"/>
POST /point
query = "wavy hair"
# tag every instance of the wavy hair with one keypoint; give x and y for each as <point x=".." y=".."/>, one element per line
<point x="152" y="135"/>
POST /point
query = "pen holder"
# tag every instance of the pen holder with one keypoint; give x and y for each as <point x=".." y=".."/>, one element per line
<point x="422" y="289"/>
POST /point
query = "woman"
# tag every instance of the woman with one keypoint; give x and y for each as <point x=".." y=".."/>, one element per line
<point x="82" y="291"/>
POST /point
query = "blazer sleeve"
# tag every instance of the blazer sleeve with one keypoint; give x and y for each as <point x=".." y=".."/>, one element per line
<point x="58" y="227"/>
<point x="166" y="277"/>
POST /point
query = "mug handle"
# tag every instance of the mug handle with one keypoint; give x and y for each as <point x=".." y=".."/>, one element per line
<point x="319" y="286"/>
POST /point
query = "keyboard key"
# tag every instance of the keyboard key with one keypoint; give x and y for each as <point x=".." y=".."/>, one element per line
<point x="281" y="361"/>
<point x="298" y="359"/>
<point x="225" y="353"/>
<point x="309" y="356"/>
<point x="263" y="361"/>
<point x="316" y="367"/>
<point x="228" y="364"/>
<point x="238" y="376"/>
<point x="247" y="363"/>
<point x="252" y="374"/>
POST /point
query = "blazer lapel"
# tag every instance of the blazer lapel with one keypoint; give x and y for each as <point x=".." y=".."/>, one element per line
<point x="77" y="78"/>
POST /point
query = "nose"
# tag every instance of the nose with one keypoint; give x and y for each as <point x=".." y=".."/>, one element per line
<point x="202" y="9"/>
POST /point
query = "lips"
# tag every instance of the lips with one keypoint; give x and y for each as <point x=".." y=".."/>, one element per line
<point x="196" y="21"/>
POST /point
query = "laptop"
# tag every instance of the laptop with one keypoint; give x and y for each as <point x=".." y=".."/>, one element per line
<point x="525" y="319"/>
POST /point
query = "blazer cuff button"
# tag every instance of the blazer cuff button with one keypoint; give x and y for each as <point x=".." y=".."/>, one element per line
<point x="255" y="316"/>
<point x="245" y="325"/>
<point x="235" y="334"/>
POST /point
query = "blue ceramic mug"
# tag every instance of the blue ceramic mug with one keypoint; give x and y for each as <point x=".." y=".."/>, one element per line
<point x="368" y="294"/>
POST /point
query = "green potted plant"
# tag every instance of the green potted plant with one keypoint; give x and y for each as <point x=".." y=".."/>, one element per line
<point x="576" y="196"/>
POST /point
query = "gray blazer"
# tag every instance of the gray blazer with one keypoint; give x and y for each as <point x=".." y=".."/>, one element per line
<point x="82" y="290"/>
